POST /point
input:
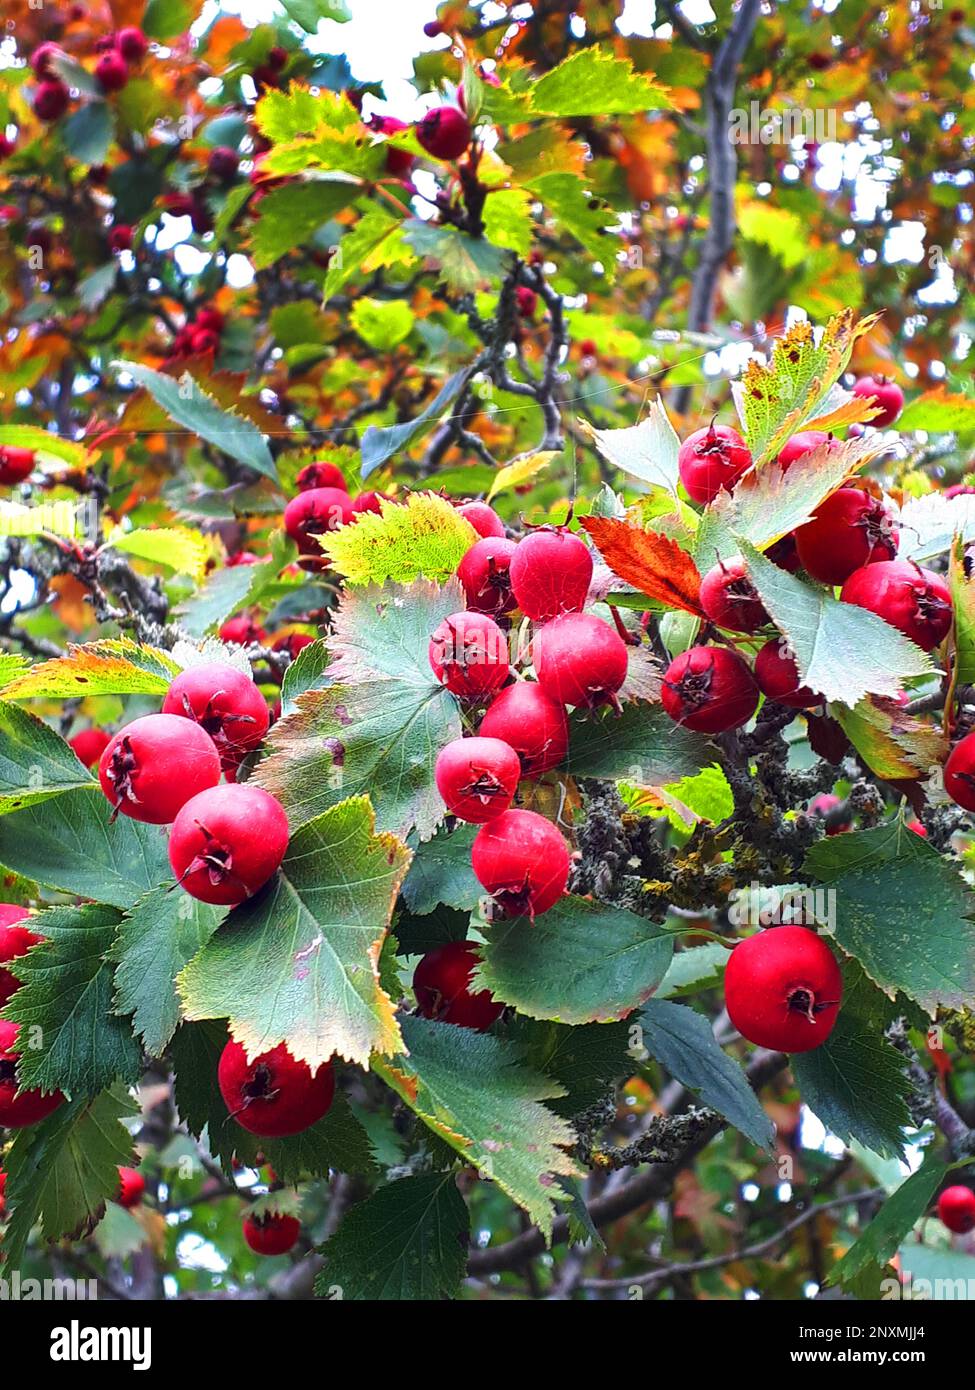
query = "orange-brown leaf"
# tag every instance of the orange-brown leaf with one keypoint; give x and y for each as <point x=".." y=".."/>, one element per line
<point x="652" y="563"/>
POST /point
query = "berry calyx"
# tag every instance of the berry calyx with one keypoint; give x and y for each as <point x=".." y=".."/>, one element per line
<point x="850" y="529"/>
<point x="884" y="393"/>
<point x="273" y="1095"/>
<point x="551" y="571"/>
<point x="111" y="71"/>
<point x="778" y="677"/>
<point x="131" y="1187"/>
<point x="468" y="654"/>
<point x="914" y="600"/>
<point x="522" y="862"/>
<point x="132" y="43"/>
<point x="483" y="518"/>
<point x="959" y="775"/>
<point x="321" y="474"/>
<point x="153" y="766"/>
<point x="313" y="513"/>
<point x="729" y="598"/>
<point x="804" y="443"/>
<point x="485" y="574"/>
<point x="51" y="100"/>
<point x="227" y="842"/>
<point x="272" y="1234"/>
<point x="16" y="464"/>
<point x="444" y="132"/>
<point x="477" y="778"/>
<point x="956" y="1209"/>
<point x="580" y="660"/>
<point x="15" y="940"/>
<point x="225" y="703"/>
<point x="531" y="722"/>
<point x="17" y="1111"/>
<point x="441" y="983"/>
<point x="782" y="989"/>
<point x="711" y="459"/>
<point x="710" y="690"/>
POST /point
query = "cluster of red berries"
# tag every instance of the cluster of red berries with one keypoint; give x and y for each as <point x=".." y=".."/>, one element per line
<point x="16" y="464"/>
<point x="323" y="504"/>
<point x="118" y="53"/>
<point x="268" y="73"/>
<point x="201" y="334"/>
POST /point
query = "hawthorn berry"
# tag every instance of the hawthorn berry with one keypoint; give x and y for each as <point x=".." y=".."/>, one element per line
<point x="444" y="132"/>
<point x="526" y="302"/>
<point x="120" y="238"/>
<point x="914" y="600"/>
<point x="851" y="528"/>
<point x="132" y="43"/>
<point x="41" y="59"/>
<point x="441" y="983"/>
<point x="522" y="862"/>
<point x="241" y="557"/>
<point x="398" y="162"/>
<point x="7" y="146"/>
<point x="711" y="459"/>
<point x="111" y="71"/>
<point x="468" y="654"/>
<point x="777" y="676"/>
<point x="729" y="598"/>
<point x="782" y="989"/>
<point x="223" y="163"/>
<point x="242" y="631"/>
<point x="89" y="745"/>
<point x="15" y="940"/>
<point x="483" y="518"/>
<point x="884" y="393"/>
<point x="227" y="841"/>
<point x="223" y="701"/>
<point x="321" y="474"/>
<point x="292" y="643"/>
<point x="314" y="512"/>
<point x="209" y="317"/>
<point x="204" y="340"/>
<point x="959" y="773"/>
<point x="484" y="573"/>
<point x="275" y="1233"/>
<point x="131" y="1187"/>
<point x="528" y="719"/>
<point x="709" y="689"/>
<point x="16" y="464"/>
<point x="804" y="443"/>
<point x="956" y="1209"/>
<point x="477" y="778"/>
<point x="784" y="553"/>
<point x="551" y="571"/>
<point x="51" y="100"/>
<point x="17" y="1111"/>
<point x="370" y="502"/>
<point x="153" y="766"/>
<point x="580" y="660"/>
<point x="833" y="811"/>
<point x="273" y="1095"/>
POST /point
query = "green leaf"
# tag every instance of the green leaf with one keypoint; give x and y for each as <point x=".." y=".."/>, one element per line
<point x="382" y="323"/>
<point x="168" y="19"/>
<point x="587" y="1060"/>
<point x="337" y="1141"/>
<point x="472" y="1091"/>
<point x="363" y="241"/>
<point x="297" y="963"/>
<point x="46" y="444"/>
<point x="508" y="220"/>
<point x="939" y="412"/>
<point x="306" y="672"/>
<point x="65" y="999"/>
<point x="238" y="586"/>
<point x="595" y="82"/>
<point x="178" y="548"/>
<point x="422" y="1228"/>
<point x="466" y="263"/>
<point x="35" y="763"/>
<point x="423" y="537"/>
<point x="682" y="1041"/>
<point x="580" y="962"/>
<point x="89" y="131"/>
<point x="647" y="451"/>
<point x="642" y="746"/>
<point x="195" y="1052"/>
<point x="307" y="13"/>
<point x="112" y="666"/>
<point x="119" y="1233"/>
<point x="187" y="403"/>
<point x="694" y="969"/>
<point x="380" y="443"/>
<point x="289" y="216"/>
<point x="441" y="873"/>
<point x="902" y="1209"/>
<point x="580" y="213"/>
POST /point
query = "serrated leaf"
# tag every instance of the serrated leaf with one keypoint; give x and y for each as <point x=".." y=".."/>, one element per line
<point x="654" y="564"/>
<point x="35" y="763"/>
<point x="113" y="666"/>
<point x="586" y="1060"/>
<point x="356" y="248"/>
<point x="306" y="672"/>
<point x="308" y="13"/>
<point x="119" y="1233"/>
<point x="88" y="132"/>
<point x="234" y="587"/>
<point x="382" y="323"/>
<point x="939" y="411"/>
<point x="892" y="743"/>
<point x="424" y="537"/>
<point x="520" y="471"/>
<point x="289" y="216"/>
<point x="595" y="82"/>
<point x="337" y="1141"/>
<point x="902" y="1209"/>
<point x="287" y="115"/>
<point x="647" y="451"/>
<point x="508" y="220"/>
<point x="642" y="745"/>
<point x="466" y="263"/>
<point x="580" y="213"/>
<point x="441" y="873"/>
<point x="380" y="443"/>
<point x="177" y="547"/>
<point x="963" y="604"/>
<point x="46" y="444"/>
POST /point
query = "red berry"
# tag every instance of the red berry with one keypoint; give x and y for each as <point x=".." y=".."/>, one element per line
<point x="277" y="58"/>
<point x="580" y="660"/>
<point x="3" y="1185"/>
<point x="313" y="513"/>
<point x="89" y="745"/>
<point x="883" y="392"/>
<point x="588" y="347"/>
<point x="469" y="655"/>
<point x="273" y="1234"/>
<point x="914" y="600"/>
<point x="398" y="162"/>
<point x="803" y="443"/>
<point x="273" y="1095"/>
<point x="16" y="464"/>
<point x="850" y="529"/>
<point x="729" y="599"/>
<point x="433" y="28"/>
<point x="242" y="631"/>
<point x="522" y="861"/>
<point x="132" y="43"/>
<point x="370" y="502"/>
<point x="551" y="571"/>
<point x="960" y="773"/>
<point x="223" y="163"/>
<point x="242" y="557"/>
<point x="120" y="238"/>
<point x="227" y="842"/>
<point x="778" y="677"/>
<point x="477" y="778"/>
<point x="484" y="574"/>
<point x="444" y="132"/>
<point x="204" y="340"/>
<point x="111" y="71"/>
<point x="29" y="1107"/>
<point x="527" y="718"/>
<point x="712" y="459"/>
<point x="321" y="474"/>
<point x="784" y="554"/>
<point x="832" y="810"/>
<point x="526" y="301"/>
<point x="782" y="989"/>
<point x="40" y="59"/>
<point x="440" y="983"/>
<point x="131" y="1187"/>
<point x="956" y="1209"/>
<point x="51" y="100"/>
<point x="224" y="702"/>
<point x="483" y="518"/>
<point x="7" y="146"/>
<point x="154" y="765"/>
<point x="15" y="940"/>
<point x="292" y="643"/>
<point x="212" y="319"/>
<point x="709" y="689"/>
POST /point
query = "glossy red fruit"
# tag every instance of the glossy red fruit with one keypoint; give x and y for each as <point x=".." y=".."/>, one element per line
<point x="15" y="940"/>
<point x="778" y="677"/>
<point x="468" y="654"/>
<point x="803" y="443"/>
<point x="7" y="146"/>
<point x="580" y="660"/>
<point x="729" y="598"/>
<point x="832" y="810"/>
<point x="292" y="643"/>
<point x="111" y="71"/>
<point x="441" y="984"/>
<point x="211" y="318"/>
<point x="120" y="238"/>
<point x="16" y="464"/>
<point x="522" y="862"/>
<point x="242" y="631"/>
<point x="850" y="529"/>
<point x="528" y="719"/>
<point x="484" y="573"/>
<point x="914" y="600"/>
<point x="709" y="689"/>
<point x="712" y="459"/>
<point x="477" y="778"/>
<point x="885" y="393"/>
<point x="782" y="989"/>
<point x="956" y="1209"/>
<point x="132" y="43"/>
<point x="131" y="1187"/>
<point x="153" y="766"/>
<point x="227" y="842"/>
<point x="526" y="302"/>
<point x="313" y="513"/>
<point x="551" y="571"/>
<point x="40" y="59"/>
<point x="444" y="132"/>
<point x="483" y="518"/>
<point x="204" y="340"/>
<point x="272" y="1234"/>
<point x="223" y="164"/>
<point x="29" y="1107"/>
<point x="398" y="162"/>
<point x="370" y="502"/>
<point x="960" y="773"/>
<point x="51" y="100"/>
<point x="273" y="1095"/>
<point x="224" y="702"/>
<point x="321" y="474"/>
